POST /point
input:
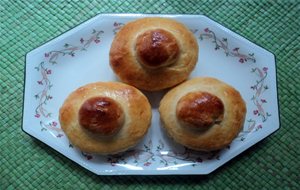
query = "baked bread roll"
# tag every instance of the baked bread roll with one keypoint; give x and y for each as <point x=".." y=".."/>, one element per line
<point x="105" y="117"/>
<point x="153" y="53"/>
<point x="203" y="114"/>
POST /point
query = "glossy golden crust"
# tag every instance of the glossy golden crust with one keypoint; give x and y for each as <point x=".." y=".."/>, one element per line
<point x="217" y="136"/>
<point x="174" y="53"/>
<point x="156" y="48"/>
<point x="134" y="106"/>
<point x="199" y="110"/>
<point x="101" y="115"/>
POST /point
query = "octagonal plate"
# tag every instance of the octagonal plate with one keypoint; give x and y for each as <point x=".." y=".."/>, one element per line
<point x="80" y="56"/>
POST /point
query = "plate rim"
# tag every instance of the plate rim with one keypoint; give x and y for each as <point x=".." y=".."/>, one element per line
<point x="150" y="172"/>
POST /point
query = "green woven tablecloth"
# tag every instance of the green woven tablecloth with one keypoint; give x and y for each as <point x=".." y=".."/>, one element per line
<point x="26" y="163"/>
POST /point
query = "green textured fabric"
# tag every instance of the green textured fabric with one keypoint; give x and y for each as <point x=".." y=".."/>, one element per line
<point x="26" y="163"/>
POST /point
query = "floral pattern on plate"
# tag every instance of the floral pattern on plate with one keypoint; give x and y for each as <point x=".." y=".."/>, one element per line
<point x="156" y="154"/>
<point x="43" y="97"/>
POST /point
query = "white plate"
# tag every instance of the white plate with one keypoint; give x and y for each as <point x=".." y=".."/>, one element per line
<point x="80" y="56"/>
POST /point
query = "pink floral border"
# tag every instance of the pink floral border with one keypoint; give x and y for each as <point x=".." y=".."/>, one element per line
<point x="148" y="155"/>
<point x="259" y="88"/>
<point x="117" y="26"/>
<point x="260" y="115"/>
<point x="44" y="96"/>
<point x="224" y="45"/>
